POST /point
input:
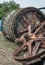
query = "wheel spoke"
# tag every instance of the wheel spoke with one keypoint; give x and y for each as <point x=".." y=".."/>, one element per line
<point x="33" y="18"/>
<point x="29" y="44"/>
<point x="38" y="43"/>
<point x="29" y="30"/>
<point x="22" y="22"/>
<point x="23" y="31"/>
<point x="35" y="49"/>
<point x="42" y="24"/>
<point x="30" y="48"/>
<point x="42" y="38"/>
<point x="25" y="20"/>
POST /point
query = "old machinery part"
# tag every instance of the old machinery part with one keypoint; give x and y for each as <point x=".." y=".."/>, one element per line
<point x="16" y="22"/>
<point x="25" y="17"/>
<point x="33" y="48"/>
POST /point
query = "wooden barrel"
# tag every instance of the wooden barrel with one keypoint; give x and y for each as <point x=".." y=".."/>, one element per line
<point x="15" y="21"/>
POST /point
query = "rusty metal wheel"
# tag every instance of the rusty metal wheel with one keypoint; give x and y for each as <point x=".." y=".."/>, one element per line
<point x="18" y="20"/>
<point x="33" y="48"/>
<point x="25" y="17"/>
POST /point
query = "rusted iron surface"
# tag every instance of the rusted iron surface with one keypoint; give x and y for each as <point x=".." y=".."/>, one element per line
<point x="34" y="43"/>
<point x="32" y="38"/>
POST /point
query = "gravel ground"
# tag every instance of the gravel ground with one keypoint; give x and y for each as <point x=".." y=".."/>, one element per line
<point x="6" y="50"/>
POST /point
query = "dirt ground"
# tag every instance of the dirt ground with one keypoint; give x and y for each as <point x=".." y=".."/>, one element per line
<point x="6" y="52"/>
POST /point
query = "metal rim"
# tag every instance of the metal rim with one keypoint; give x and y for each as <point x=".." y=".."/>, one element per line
<point x="20" y="20"/>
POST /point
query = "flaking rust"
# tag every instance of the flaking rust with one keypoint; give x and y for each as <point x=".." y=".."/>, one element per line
<point x="32" y="49"/>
